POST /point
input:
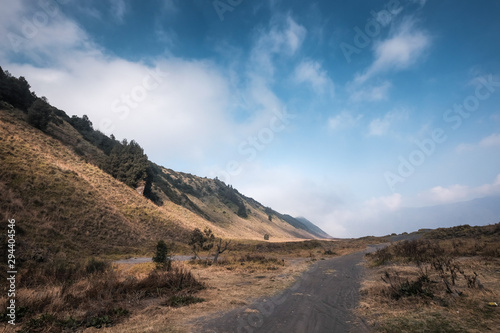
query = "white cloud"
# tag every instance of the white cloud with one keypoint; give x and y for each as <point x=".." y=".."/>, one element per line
<point x="309" y="71"/>
<point x="194" y="100"/>
<point x="372" y="93"/>
<point x="405" y="46"/>
<point x="464" y="147"/>
<point x="118" y="9"/>
<point x="490" y="141"/>
<point x="381" y="126"/>
<point x="44" y="42"/>
<point x="391" y="202"/>
<point x="446" y="195"/>
<point x="455" y="193"/>
<point x="343" y="120"/>
<point x="284" y="37"/>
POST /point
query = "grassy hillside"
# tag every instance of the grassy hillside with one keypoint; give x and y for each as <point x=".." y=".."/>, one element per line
<point x="73" y="189"/>
<point x="61" y="201"/>
<point x="225" y="207"/>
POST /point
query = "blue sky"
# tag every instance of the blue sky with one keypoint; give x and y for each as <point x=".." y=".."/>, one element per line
<point x="344" y="112"/>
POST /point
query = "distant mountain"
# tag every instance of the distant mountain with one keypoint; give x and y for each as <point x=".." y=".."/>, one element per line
<point x="71" y="187"/>
<point x="479" y="211"/>
<point x="313" y="228"/>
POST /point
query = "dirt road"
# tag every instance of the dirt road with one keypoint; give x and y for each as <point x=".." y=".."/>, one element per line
<point x="320" y="301"/>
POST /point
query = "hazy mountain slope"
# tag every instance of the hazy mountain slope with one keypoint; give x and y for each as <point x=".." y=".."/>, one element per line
<point x="314" y="229"/>
<point x="223" y="205"/>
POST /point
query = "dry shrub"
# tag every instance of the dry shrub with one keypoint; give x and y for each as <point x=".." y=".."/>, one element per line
<point x="95" y="294"/>
<point x="440" y="284"/>
<point x="403" y="287"/>
<point x="260" y="259"/>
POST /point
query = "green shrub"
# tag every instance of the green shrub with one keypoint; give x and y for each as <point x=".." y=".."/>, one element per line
<point x="163" y="256"/>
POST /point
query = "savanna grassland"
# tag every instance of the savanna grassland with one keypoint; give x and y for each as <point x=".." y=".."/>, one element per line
<point x="447" y="281"/>
<point x="96" y="294"/>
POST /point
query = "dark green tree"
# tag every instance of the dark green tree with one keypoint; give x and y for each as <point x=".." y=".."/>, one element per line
<point x="39" y="114"/>
<point x="242" y="211"/>
<point x="163" y="256"/>
<point x="127" y="163"/>
<point x="16" y="91"/>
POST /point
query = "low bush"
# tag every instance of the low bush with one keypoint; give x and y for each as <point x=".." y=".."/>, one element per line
<point x="182" y="300"/>
<point x="400" y="287"/>
<point x="75" y="296"/>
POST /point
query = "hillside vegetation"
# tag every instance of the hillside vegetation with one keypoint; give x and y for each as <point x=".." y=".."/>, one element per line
<point x="73" y="189"/>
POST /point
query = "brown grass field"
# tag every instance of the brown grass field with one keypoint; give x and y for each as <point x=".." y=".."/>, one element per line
<point x="444" y="283"/>
<point x="98" y="296"/>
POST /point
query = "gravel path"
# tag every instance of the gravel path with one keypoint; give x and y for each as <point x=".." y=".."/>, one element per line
<point x="141" y="260"/>
<point x="321" y="300"/>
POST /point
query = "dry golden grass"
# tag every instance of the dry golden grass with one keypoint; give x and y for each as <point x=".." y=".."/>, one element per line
<point x="247" y="273"/>
<point x="230" y="285"/>
<point x="64" y="204"/>
<point x="465" y="309"/>
<point x="101" y="298"/>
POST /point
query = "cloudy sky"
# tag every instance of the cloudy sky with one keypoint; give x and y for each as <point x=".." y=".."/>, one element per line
<point x="345" y="112"/>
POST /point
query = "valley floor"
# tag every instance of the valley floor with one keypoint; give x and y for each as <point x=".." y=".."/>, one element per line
<point x="236" y="287"/>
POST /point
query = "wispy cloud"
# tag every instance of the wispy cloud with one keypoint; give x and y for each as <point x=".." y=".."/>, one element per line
<point x="456" y="193"/>
<point x="371" y="93"/>
<point x="381" y="126"/>
<point x="421" y="3"/>
<point x="284" y="37"/>
<point x="492" y="140"/>
<point x="311" y="72"/>
<point x="402" y="49"/>
<point x="343" y="120"/>
<point x="118" y="9"/>
<point x="391" y="202"/>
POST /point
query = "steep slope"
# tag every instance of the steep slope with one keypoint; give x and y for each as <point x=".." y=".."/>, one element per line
<point x="75" y="188"/>
<point x="225" y="207"/>
<point x="314" y="229"/>
<point x="60" y="201"/>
